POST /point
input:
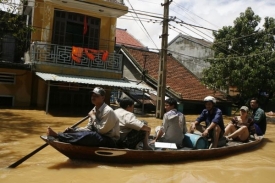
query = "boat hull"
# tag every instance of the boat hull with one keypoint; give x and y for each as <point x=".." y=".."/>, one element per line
<point x="103" y="154"/>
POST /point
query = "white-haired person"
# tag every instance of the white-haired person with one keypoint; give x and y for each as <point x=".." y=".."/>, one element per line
<point x="214" y="125"/>
<point x="240" y="127"/>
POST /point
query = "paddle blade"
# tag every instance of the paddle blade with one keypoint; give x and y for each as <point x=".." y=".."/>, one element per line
<point x="15" y="164"/>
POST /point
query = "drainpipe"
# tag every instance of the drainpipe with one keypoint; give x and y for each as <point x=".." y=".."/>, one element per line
<point x="143" y="101"/>
<point x="48" y="96"/>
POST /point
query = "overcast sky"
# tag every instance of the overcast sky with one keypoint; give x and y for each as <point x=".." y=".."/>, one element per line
<point x="212" y="14"/>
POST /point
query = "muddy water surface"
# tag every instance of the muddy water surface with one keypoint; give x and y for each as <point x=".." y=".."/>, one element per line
<point x="19" y="135"/>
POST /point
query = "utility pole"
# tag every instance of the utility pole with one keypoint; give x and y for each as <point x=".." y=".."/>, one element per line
<point x="163" y="62"/>
<point x="143" y="79"/>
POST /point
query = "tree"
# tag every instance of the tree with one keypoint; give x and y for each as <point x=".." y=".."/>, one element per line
<point x="14" y="25"/>
<point x="244" y="57"/>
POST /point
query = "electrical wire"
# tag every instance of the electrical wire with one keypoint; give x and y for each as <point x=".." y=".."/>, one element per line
<point x="154" y="22"/>
<point x="143" y="26"/>
<point x="188" y="11"/>
<point x="179" y="31"/>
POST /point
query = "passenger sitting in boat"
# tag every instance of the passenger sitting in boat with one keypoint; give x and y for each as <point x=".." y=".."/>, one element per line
<point x="212" y="116"/>
<point x="259" y="117"/>
<point x="102" y="128"/>
<point x="132" y="130"/>
<point x="173" y="126"/>
<point x="240" y="127"/>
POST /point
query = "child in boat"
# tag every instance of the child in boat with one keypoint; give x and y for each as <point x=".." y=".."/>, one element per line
<point x="132" y="130"/>
<point x="102" y="128"/>
<point x="173" y="127"/>
<point x="240" y="127"/>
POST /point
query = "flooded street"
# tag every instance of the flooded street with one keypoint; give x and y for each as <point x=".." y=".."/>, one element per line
<point x="19" y="135"/>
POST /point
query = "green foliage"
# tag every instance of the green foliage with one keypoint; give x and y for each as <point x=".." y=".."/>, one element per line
<point x="14" y="24"/>
<point x="244" y="56"/>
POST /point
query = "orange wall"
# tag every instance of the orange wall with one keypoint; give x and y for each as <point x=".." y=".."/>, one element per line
<point x="43" y="23"/>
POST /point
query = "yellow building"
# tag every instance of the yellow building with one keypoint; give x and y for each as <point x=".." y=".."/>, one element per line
<point x="72" y="51"/>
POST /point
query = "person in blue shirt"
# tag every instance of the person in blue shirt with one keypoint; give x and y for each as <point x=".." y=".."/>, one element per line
<point x="214" y="125"/>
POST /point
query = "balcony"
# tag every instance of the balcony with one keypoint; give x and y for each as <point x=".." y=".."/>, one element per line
<point x="76" y="57"/>
<point x="109" y="8"/>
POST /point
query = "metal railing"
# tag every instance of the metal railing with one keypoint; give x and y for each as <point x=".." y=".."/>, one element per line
<point x="46" y="53"/>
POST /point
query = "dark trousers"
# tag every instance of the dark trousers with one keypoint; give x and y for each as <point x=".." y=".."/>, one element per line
<point x="132" y="139"/>
<point x="86" y="138"/>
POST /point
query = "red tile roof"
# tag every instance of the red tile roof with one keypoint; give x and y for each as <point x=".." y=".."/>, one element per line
<point x="124" y="38"/>
<point x="179" y="78"/>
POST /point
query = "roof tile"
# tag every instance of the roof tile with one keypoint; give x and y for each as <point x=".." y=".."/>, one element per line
<point x="124" y="38"/>
<point x="178" y="77"/>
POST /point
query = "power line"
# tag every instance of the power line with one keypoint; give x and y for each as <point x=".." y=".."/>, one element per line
<point x="137" y="12"/>
<point x="188" y="11"/>
<point x="194" y="27"/>
<point x="180" y="31"/>
<point x="144" y="19"/>
<point x="181" y="22"/>
<point x="143" y="26"/>
<point x="216" y="42"/>
<point x="196" y="33"/>
<point x="208" y="46"/>
<point x="188" y="16"/>
<point x="244" y="56"/>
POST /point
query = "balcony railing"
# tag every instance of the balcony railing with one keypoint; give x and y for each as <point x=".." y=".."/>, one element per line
<point x="46" y="53"/>
<point x="116" y="1"/>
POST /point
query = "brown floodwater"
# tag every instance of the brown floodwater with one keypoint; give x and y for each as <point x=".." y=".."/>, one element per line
<point x="19" y="135"/>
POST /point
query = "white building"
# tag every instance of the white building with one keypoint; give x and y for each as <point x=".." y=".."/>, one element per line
<point x="191" y="52"/>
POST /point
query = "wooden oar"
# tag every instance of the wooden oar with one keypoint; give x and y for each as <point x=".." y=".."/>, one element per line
<point x="15" y="164"/>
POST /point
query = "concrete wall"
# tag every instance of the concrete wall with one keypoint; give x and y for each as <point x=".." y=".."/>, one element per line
<point x="182" y="47"/>
<point x="20" y="90"/>
<point x="130" y="71"/>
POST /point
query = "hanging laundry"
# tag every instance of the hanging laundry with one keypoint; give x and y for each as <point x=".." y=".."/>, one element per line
<point x="104" y="55"/>
<point x="90" y="53"/>
<point x="77" y="54"/>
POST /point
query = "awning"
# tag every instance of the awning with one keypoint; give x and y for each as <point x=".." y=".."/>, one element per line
<point x="90" y="80"/>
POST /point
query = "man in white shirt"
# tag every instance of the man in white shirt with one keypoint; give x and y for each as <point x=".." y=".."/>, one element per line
<point x="132" y="130"/>
<point x="102" y="128"/>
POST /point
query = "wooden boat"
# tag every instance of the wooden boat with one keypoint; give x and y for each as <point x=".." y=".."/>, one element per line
<point x="104" y="154"/>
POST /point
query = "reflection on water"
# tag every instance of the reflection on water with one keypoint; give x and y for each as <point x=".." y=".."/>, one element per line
<point x="20" y="135"/>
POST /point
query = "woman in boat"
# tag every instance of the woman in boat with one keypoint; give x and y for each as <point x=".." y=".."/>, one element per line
<point x="102" y="129"/>
<point x="173" y="127"/>
<point x="132" y="130"/>
<point x="240" y="127"/>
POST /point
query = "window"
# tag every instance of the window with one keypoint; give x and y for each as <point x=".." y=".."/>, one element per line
<point x="7" y="78"/>
<point x="69" y="27"/>
<point x="6" y="101"/>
